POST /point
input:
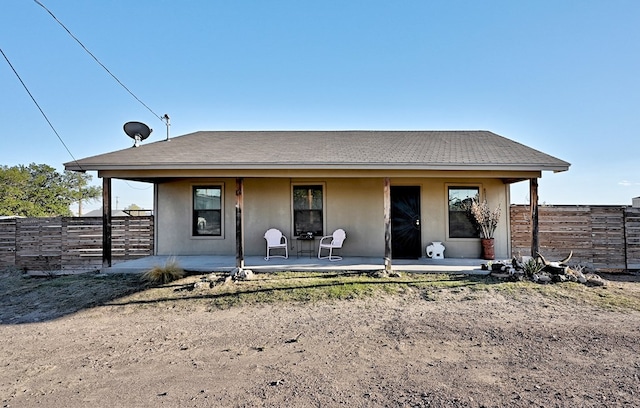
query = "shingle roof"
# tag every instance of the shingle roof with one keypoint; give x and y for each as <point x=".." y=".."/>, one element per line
<point x="438" y="150"/>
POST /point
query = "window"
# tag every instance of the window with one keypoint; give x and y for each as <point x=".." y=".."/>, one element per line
<point x="460" y="223"/>
<point x="207" y="211"/>
<point x="307" y="210"/>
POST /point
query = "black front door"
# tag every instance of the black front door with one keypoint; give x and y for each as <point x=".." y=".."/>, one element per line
<point x="405" y="222"/>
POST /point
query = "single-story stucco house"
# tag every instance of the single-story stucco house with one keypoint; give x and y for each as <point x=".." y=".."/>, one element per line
<point x="393" y="192"/>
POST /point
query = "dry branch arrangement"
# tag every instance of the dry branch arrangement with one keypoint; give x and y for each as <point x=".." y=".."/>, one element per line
<point x="485" y="218"/>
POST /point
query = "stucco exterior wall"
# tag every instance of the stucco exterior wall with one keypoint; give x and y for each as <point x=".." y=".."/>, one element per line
<point x="267" y="204"/>
<point x="354" y="204"/>
<point x="435" y="216"/>
<point x="174" y="215"/>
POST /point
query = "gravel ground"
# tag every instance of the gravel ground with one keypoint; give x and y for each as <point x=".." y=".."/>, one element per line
<point x="452" y="348"/>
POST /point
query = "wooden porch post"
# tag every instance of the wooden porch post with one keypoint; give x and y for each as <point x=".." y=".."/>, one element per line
<point x="106" y="222"/>
<point x="239" y="225"/>
<point x="387" y="224"/>
<point x="533" y="194"/>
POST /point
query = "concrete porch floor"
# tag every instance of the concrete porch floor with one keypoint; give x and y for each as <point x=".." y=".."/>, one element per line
<point x="206" y="264"/>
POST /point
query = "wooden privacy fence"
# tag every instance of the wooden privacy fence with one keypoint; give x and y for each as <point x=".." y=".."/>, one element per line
<point x="605" y="238"/>
<point x="71" y="243"/>
<point x="601" y="237"/>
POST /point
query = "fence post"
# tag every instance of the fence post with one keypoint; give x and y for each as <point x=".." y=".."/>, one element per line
<point x="239" y="225"/>
<point x="626" y="242"/>
<point x="387" y="224"/>
<point x="106" y="222"/>
<point x="533" y="193"/>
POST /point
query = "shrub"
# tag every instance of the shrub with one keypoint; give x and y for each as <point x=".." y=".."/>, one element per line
<point x="164" y="274"/>
<point x="532" y="267"/>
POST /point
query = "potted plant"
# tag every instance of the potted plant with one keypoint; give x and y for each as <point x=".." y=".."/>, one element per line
<point x="486" y="221"/>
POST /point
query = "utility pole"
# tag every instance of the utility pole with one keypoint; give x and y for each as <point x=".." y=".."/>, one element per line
<point x="79" y="197"/>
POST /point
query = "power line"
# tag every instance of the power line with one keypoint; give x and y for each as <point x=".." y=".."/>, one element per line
<point x="98" y="61"/>
<point x="135" y="188"/>
<point x="39" y="108"/>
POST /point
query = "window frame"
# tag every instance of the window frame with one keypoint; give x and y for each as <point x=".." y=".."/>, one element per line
<point x="193" y="226"/>
<point x="459" y="186"/>
<point x="323" y="189"/>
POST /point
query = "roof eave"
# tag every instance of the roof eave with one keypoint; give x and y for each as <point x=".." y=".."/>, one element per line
<point x="317" y="166"/>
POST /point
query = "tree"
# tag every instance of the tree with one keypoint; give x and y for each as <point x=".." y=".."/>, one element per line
<point x="136" y="210"/>
<point x="81" y="190"/>
<point x="38" y="190"/>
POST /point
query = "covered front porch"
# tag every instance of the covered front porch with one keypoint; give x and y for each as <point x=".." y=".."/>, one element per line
<point x="207" y="264"/>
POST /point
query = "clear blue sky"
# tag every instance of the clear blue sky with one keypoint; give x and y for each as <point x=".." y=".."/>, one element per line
<point x="560" y="76"/>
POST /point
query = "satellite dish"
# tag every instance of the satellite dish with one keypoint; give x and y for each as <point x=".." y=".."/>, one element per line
<point x="138" y="131"/>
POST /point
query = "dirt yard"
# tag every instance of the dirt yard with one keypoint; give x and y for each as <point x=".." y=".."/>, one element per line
<point x="453" y="347"/>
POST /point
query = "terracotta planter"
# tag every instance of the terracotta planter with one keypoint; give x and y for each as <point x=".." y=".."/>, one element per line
<point x="488" y="249"/>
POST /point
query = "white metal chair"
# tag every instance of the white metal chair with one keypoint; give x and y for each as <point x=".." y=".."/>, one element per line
<point x="275" y="240"/>
<point x="337" y="238"/>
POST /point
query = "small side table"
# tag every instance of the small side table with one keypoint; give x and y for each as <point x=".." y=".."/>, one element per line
<point x="306" y="245"/>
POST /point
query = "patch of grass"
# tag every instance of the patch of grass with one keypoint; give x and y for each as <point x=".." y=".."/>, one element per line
<point x="24" y="298"/>
<point x="309" y="287"/>
<point x="609" y="297"/>
<point x="299" y="287"/>
<point x="613" y="296"/>
<point x="170" y="272"/>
